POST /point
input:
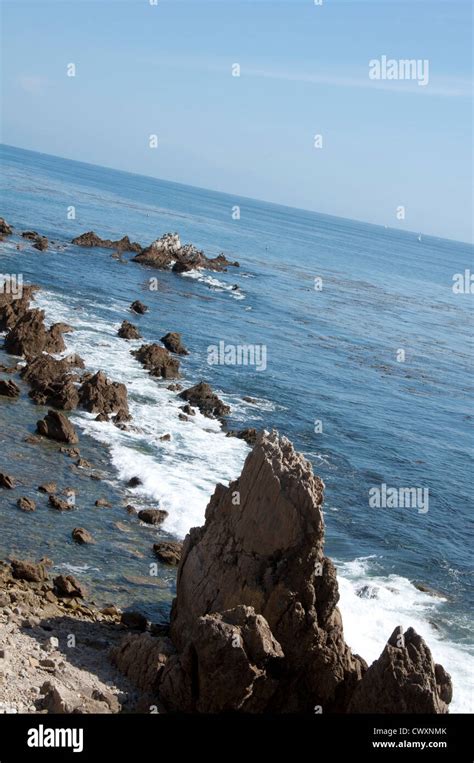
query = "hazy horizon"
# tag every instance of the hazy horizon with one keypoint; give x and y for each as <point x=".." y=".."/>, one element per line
<point x="140" y="70"/>
<point x="237" y="196"/>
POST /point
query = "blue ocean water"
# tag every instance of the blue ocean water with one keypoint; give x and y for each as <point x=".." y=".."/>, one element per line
<point x="333" y="356"/>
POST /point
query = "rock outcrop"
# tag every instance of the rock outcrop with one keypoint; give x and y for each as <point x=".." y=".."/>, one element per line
<point x="255" y="622"/>
<point x="91" y="239"/>
<point x="8" y="388"/>
<point x="158" y="361"/>
<point x="51" y="381"/>
<point x="14" y="306"/>
<point x="5" y="229"/>
<point x="30" y="337"/>
<point x="167" y="253"/>
<point x="39" y="242"/>
<point x="202" y="396"/>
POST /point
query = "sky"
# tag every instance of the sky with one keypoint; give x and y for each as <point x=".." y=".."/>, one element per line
<point x="166" y="70"/>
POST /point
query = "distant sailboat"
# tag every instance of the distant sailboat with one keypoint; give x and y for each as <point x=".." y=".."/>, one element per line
<point x="419" y="237"/>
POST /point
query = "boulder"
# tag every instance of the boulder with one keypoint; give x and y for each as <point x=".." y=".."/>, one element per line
<point x="100" y="395"/>
<point x="7" y="481"/>
<point x="134" y="620"/>
<point x="202" y="397"/>
<point x="168" y="552"/>
<point x="9" y="388"/>
<point x="57" y="426"/>
<point x="138" y="307"/>
<point x="48" y="487"/>
<point x="152" y="516"/>
<point x="51" y="382"/>
<point x="80" y="535"/>
<point x="26" y="504"/>
<point x="60" y="504"/>
<point x="249" y="435"/>
<point x="5" y="229"/>
<point x="66" y="586"/>
<point x="40" y="242"/>
<point x="172" y="342"/>
<point x="29" y="571"/>
<point x="404" y="679"/>
<point x="128" y="331"/>
<point x="158" y="361"/>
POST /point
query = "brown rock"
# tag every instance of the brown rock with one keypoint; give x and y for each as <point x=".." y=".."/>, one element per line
<point x="26" y="504"/>
<point x="134" y="620"/>
<point x="138" y="307"/>
<point x="56" y="426"/>
<point x="100" y="395"/>
<point x="66" y="586"/>
<point x="29" y="336"/>
<point x="7" y="481"/>
<point x="5" y="229"/>
<point x="59" y="504"/>
<point x="48" y="487"/>
<point x="9" y="388"/>
<point x="91" y="239"/>
<point x="33" y="573"/>
<point x="172" y="342"/>
<point x="142" y="658"/>
<point x="80" y="535"/>
<point x="404" y="679"/>
<point x="249" y="435"/>
<point x="103" y="502"/>
<point x="168" y="552"/>
<point x="201" y="396"/>
<point x="158" y="361"/>
<point x="128" y="331"/>
<point x="152" y="516"/>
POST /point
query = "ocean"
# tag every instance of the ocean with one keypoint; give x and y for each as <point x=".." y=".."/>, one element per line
<point x="368" y="371"/>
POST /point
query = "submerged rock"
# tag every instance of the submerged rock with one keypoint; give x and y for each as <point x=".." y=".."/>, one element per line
<point x="40" y="242"/>
<point x="7" y="481"/>
<point x="26" y="504"/>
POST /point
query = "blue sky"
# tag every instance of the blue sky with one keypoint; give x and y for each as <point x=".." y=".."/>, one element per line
<point x="166" y="70"/>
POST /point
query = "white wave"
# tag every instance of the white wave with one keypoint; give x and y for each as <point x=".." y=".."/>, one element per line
<point x="214" y="283"/>
<point x="178" y="475"/>
<point x="388" y="601"/>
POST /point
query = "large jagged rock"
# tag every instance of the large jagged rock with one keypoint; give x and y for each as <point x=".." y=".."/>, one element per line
<point x="52" y="382"/>
<point x="100" y="395"/>
<point x="30" y="337"/>
<point x="255" y="621"/>
<point x="262" y="547"/>
<point x="91" y="239"/>
<point x="158" y="361"/>
<point x="128" y="331"/>
<point x="404" y="679"/>
<point x="57" y="426"/>
<point x="202" y="396"/>
<point x="14" y="305"/>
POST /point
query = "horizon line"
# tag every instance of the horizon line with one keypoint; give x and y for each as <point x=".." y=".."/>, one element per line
<point x="249" y="198"/>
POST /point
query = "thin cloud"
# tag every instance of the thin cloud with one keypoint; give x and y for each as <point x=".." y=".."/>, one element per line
<point x="32" y="84"/>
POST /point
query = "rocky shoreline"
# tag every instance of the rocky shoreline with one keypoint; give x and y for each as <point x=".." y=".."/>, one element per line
<point x="254" y="626"/>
